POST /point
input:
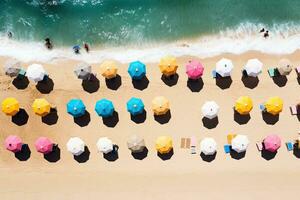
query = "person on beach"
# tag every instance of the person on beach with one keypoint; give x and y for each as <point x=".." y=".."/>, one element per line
<point x="9" y="34"/>
<point x="266" y="34"/>
<point x="76" y="49"/>
<point x="262" y="30"/>
<point x="86" y="47"/>
<point x="48" y="43"/>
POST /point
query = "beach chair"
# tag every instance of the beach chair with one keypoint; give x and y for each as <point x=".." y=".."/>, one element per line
<point x="230" y="137"/>
<point x="259" y="145"/>
<point x="272" y="72"/>
<point x="188" y="143"/>
<point x="214" y="74"/>
<point x="182" y="143"/>
<point x="22" y="72"/>
<point x="262" y="107"/>
<point x="294" y="110"/>
<point x="289" y="146"/>
<point x="227" y="148"/>
<point x="193" y="144"/>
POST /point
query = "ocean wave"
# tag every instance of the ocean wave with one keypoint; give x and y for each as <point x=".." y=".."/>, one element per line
<point x="283" y="39"/>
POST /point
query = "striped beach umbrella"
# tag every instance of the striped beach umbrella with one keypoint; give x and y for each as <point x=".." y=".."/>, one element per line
<point x="104" y="108"/>
<point x="137" y="70"/>
<point x="76" y="107"/>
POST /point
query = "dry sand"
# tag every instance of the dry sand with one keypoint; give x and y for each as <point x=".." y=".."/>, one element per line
<point x="184" y="175"/>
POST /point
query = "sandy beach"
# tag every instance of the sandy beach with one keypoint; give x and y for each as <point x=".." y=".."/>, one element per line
<point x="184" y="176"/>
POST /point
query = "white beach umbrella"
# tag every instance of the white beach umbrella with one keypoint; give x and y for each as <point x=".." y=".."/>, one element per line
<point x="36" y="72"/>
<point x="208" y="146"/>
<point x="240" y="143"/>
<point x="224" y="67"/>
<point x="76" y="146"/>
<point x="105" y="145"/>
<point x="210" y="109"/>
<point x="12" y="67"/>
<point x="253" y="67"/>
<point x="83" y="71"/>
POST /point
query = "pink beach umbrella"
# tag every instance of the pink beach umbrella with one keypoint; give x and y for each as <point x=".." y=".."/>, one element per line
<point x="194" y="69"/>
<point x="272" y="143"/>
<point x="13" y="143"/>
<point x="43" y="145"/>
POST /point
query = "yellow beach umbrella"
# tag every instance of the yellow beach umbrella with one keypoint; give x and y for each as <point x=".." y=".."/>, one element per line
<point x="41" y="107"/>
<point x="164" y="144"/>
<point x="10" y="106"/>
<point x="243" y="105"/>
<point x="274" y="105"/>
<point x="168" y="65"/>
<point x="109" y="69"/>
<point x="160" y="105"/>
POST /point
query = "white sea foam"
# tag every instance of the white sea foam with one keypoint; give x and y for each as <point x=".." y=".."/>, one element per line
<point x="284" y="39"/>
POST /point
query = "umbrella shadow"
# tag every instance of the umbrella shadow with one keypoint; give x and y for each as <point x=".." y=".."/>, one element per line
<point x="111" y="121"/>
<point x="140" y="84"/>
<point x="224" y="82"/>
<point x="236" y="155"/>
<point x="140" y="155"/>
<point x="84" y="120"/>
<point x="166" y="156"/>
<point x="195" y="85"/>
<point x="113" y="155"/>
<point x="140" y="118"/>
<point x="91" y="85"/>
<point x="45" y="86"/>
<point x="51" y="118"/>
<point x="241" y="119"/>
<point x="54" y="155"/>
<point x="280" y="80"/>
<point x="170" y="80"/>
<point x="24" y="154"/>
<point x="21" y="82"/>
<point x="268" y="155"/>
<point x="114" y="83"/>
<point x="208" y="158"/>
<point x="21" y="118"/>
<point x="250" y="82"/>
<point x="84" y="157"/>
<point x="269" y="118"/>
<point x="210" y="123"/>
<point x="163" y="119"/>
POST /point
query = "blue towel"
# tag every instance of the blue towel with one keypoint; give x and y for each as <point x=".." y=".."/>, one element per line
<point x="227" y="148"/>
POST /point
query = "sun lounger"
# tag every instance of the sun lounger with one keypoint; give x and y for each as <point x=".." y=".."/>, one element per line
<point x="22" y="72"/>
<point x="294" y="110"/>
<point x="214" y="74"/>
<point x="271" y="72"/>
<point x="193" y="144"/>
<point x="182" y="143"/>
<point x="188" y="143"/>
<point x="289" y="146"/>
<point x="227" y="148"/>
<point x="230" y="137"/>
<point x="259" y="145"/>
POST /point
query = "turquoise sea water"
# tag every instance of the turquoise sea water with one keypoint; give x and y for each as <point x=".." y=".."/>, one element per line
<point x="120" y="22"/>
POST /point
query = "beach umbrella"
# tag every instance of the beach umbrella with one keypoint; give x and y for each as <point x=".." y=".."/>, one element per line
<point x="160" y="105"/>
<point x="272" y="143"/>
<point x="243" y="105"/>
<point x="240" y="143"/>
<point x="44" y="145"/>
<point x="253" y="67"/>
<point x="104" y="108"/>
<point x="13" y="143"/>
<point x="224" y="67"/>
<point x="41" y="107"/>
<point x="36" y="72"/>
<point x="105" y="145"/>
<point x="194" y="69"/>
<point x="285" y="67"/>
<point x="109" y="69"/>
<point x="208" y="146"/>
<point x="274" y="105"/>
<point x="136" y="144"/>
<point x="210" y="109"/>
<point x="76" y="146"/>
<point x="168" y="65"/>
<point x="12" y="67"/>
<point x="76" y="107"/>
<point x="135" y="106"/>
<point x="137" y="70"/>
<point x="10" y="106"/>
<point x="83" y="71"/>
<point x="76" y="47"/>
<point x="164" y="144"/>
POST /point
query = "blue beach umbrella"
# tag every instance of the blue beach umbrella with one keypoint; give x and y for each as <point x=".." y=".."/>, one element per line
<point x="137" y="70"/>
<point x="135" y="106"/>
<point x="76" y="107"/>
<point x="104" y="108"/>
<point x="76" y="47"/>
